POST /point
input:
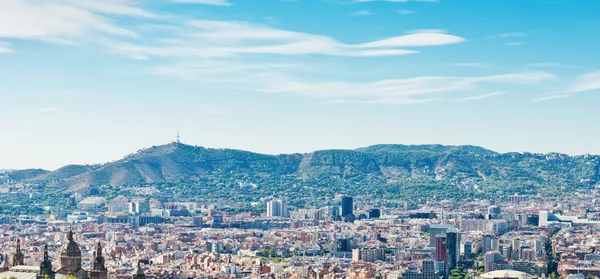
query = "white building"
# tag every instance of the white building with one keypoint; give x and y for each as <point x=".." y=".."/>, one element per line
<point x="277" y="208"/>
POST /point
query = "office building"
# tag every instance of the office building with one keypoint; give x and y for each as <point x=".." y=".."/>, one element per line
<point x="494" y="212"/>
<point x="374" y="213"/>
<point x="435" y="230"/>
<point x="139" y="207"/>
<point x="277" y="208"/>
<point x="491" y="258"/>
<point x="347" y="206"/>
<point x="453" y="245"/>
<point x="468" y="250"/>
<point x="486" y="244"/>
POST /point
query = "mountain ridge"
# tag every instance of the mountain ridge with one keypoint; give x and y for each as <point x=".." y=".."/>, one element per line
<point x="465" y="167"/>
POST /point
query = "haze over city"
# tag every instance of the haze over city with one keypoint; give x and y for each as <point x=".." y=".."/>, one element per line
<point x="88" y="82"/>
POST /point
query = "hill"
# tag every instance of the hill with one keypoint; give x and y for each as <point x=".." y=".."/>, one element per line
<point x="391" y="170"/>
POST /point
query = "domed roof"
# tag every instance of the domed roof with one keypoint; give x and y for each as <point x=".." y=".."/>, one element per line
<point x="513" y="274"/>
<point x="70" y="249"/>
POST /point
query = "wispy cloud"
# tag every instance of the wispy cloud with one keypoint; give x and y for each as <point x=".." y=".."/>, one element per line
<point x="205" y="2"/>
<point x="5" y="47"/>
<point x="404" y="90"/>
<point x="550" y="97"/>
<point x="583" y="83"/>
<point x="471" y="64"/>
<point x="406" y="12"/>
<point x="510" y="35"/>
<point x="208" y="38"/>
<point x="361" y="13"/>
<point x="396" y="1"/>
<point x="586" y="82"/>
<point x="484" y="96"/>
<point x="59" y="21"/>
<point x="514" y="44"/>
<point x="550" y="65"/>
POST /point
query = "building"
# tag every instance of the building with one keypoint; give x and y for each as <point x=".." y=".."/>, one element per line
<point x="453" y="245"/>
<point x="516" y="198"/>
<point x="347" y="206"/>
<point x="368" y="255"/>
<point x="505" y="274"/>
<point x="91" y="203"/>
<point x="486" y="244"/>
<point x="491" y="258"/>
<point x="70" y="264"/>
<point x="441" y="254"/>
<point x="435" y="230"/>
<point x="374" y="213"/>
<point x="427" y="271"/>
<point x="494" y="212"/>
<point x="139" y="207"/>
<point x="139" y="272"/>
<point x="18" y="257"/>
<point x="498" y="227"/>
<point x="468" y="250"/>
<point x="277" y="208"/>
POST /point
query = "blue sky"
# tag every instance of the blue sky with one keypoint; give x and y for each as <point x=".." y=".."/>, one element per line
<point x="89" y="81"/>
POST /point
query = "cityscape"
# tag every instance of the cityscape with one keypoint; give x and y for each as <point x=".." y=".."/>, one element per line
<point x="299" y="139"/>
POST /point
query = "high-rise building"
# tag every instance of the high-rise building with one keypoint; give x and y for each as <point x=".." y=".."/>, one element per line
<point x="496" y="244"/>
<point x="441" y="253"/>
<point x="453" y="245"/>
<point x="516" y="245"/>
<point x="334" y="213"/>
<point x="277" y="208"/>
<point x="494" y="212"/>
<point x="435" y="230"/>
<point x="468" y="250"/>
<point x="139" y="207"/>
<point x="491" y="258"/>
<point x="486" y="244"/>
<point x="347" y="206"/>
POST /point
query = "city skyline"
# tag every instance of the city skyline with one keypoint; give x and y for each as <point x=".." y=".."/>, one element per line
<point x="87" y="82"/>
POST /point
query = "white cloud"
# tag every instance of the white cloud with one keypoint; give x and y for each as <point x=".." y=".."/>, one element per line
<point x="510" y="35"/>
<point x="57" y="21"/>
<point x="361" y="13"/>
<point x="5" y="47"/>
<point x="396" y="1"/>
<point x="550" y="97"/>
<point x="406" y="12"/>
<point x="471" y="64"/>
<point x="205" y="2"/>
<point x="399" y="90"/>
<point x="583" y="83"/>
<point x="586" y="82"/>
<point x="209" y="38"/>
<point x="550" y="65"/>
<point x="484" y="96"/>
<point x="514" y="44"/>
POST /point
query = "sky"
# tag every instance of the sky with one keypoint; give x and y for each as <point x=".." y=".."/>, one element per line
<point x="90" y="81"/>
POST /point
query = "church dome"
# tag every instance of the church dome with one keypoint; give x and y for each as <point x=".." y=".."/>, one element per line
<point x="70" y="249"/>
<point x="70" y="256"/>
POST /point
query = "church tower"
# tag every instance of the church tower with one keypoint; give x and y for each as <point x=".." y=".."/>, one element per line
<point x="139" y="272"/>
<point x="98" y="268"/>
<point x="18" y="257"/>
<point x="46" y="266"/>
